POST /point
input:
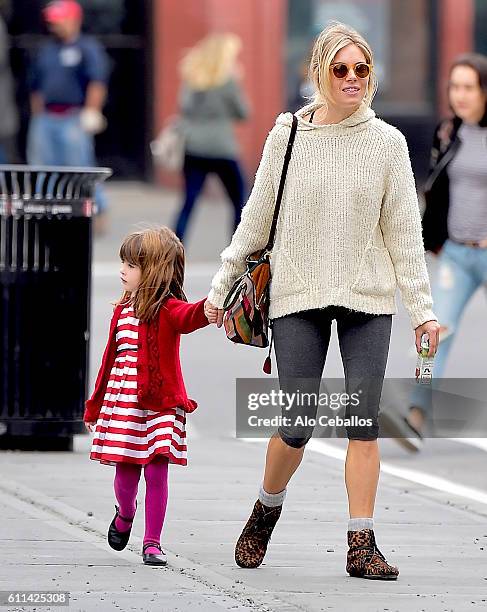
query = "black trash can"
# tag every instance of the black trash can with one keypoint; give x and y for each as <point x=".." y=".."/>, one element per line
<point x="45" y="272"/>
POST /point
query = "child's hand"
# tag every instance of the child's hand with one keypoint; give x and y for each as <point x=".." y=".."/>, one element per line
<point x="90" y="426"/>
<point x="213" y="314"/>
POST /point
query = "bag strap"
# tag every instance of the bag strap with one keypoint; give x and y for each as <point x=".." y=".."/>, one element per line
<point x="280" y="191"/>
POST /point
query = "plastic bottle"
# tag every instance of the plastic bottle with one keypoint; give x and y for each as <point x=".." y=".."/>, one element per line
<point x="424" y="364"/>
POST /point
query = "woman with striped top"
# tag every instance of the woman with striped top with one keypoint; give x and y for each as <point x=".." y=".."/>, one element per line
<point x="137" y="421"/>
<point x="454" y="224"/>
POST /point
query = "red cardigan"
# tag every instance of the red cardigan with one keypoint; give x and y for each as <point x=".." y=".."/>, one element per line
<point x="160" y="383"/>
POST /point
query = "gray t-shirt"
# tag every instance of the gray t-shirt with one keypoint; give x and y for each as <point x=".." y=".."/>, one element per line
<point x="467" y="214"/>
<point x="208" y="117"/>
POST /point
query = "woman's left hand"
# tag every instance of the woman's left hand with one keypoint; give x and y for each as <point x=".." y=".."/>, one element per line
<point x="431" y="328"/>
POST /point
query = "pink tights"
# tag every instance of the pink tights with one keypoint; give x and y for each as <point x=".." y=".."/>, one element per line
<point x="127" y="476"/>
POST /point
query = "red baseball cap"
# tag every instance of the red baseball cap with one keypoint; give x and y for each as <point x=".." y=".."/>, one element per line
<point x="59" y="10"/>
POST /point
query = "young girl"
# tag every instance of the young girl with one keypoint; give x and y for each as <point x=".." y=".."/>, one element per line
<point x="139" y="405"/>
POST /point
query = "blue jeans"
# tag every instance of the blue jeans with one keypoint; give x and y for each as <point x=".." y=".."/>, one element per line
<point x="195" y="171"/>
<point x="461" y="271"/>
<point x="59" y="140"/>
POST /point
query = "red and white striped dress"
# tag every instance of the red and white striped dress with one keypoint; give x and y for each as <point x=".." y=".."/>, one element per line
<point x="125" y="432"/>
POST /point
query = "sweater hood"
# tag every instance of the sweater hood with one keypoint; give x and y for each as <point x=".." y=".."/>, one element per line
<point x="362" y="115"/>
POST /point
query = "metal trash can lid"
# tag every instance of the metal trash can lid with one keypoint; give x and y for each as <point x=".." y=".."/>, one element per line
<point x="50" y="182"/>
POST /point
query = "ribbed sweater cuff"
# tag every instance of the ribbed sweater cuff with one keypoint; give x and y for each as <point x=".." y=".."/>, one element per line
<point x="216" y="298"/>
<point x="418" y="317"/>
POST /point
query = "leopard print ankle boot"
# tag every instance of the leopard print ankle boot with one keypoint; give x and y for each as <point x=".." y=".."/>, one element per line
<point x="364" y="559"/>
<point x="252" y="543"/>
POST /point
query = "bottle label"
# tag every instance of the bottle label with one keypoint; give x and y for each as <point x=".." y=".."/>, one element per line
<point x="424" y="366"/>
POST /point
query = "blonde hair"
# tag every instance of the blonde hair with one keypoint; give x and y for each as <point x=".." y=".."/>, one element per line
<point x="334" y="37"/>
<point x="160" y="255"/>
<point x="210" y="62"/>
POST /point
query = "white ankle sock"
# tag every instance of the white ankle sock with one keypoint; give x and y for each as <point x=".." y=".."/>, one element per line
<point x="271" y="500"/>
<point x="357" y="524"/>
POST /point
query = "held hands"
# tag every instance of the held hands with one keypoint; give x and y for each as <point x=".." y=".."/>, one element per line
<point x="431" y="328"/>
<point x="213" y="314"/>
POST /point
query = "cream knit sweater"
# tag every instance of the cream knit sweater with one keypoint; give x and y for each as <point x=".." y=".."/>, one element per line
<point x="349" y="229"/>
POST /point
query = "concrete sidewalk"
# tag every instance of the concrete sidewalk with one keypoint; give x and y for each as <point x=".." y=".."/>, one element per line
<point x="56" y="508"/>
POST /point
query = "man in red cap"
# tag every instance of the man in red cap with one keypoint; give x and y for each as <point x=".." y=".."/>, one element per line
<point x="61" y="10"/>
<point x="68" y="90"/>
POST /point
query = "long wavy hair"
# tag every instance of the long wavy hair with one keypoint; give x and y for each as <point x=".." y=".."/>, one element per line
<point x="334" y="37"/>
<point x="211" y="61"/>
<point x="160" y="255"/>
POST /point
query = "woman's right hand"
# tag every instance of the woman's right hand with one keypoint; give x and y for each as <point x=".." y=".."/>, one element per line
<point x="213" y="314"/>
<point x="90" y="426"/>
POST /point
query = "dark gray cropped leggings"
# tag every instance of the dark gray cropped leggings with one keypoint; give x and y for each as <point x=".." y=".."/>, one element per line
<point x="301" y="343"/>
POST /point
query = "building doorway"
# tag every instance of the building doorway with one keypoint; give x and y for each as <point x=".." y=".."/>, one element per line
<point x="124" y="28"/>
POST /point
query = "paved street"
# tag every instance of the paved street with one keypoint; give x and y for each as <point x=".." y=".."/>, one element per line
<point x="431" y="510"/>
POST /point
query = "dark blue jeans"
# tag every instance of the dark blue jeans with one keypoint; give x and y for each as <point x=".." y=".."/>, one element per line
<point x="195" y="171"/>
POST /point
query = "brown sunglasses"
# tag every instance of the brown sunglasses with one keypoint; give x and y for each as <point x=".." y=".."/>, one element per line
<point x="341" y="70"/>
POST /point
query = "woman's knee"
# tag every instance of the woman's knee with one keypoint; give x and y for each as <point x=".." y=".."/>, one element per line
<point x="293" y="439"/>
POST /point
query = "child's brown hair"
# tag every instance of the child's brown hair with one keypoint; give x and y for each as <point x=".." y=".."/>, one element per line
<point x="160" y="255"/>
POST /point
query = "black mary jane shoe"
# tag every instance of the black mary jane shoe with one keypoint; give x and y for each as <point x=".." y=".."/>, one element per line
<point x="118" y="540"/>
<point x="151" y="559"/>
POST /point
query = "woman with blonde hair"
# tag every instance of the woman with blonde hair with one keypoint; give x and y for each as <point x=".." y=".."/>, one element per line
<point x="211" y="100"/>
<point x="348" y="233"/>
